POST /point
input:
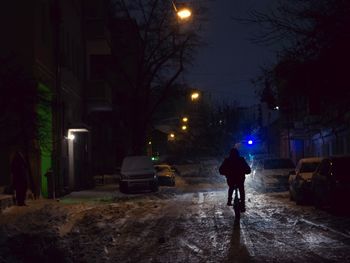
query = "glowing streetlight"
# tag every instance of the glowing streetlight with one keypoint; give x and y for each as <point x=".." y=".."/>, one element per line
<point x="171" y="136"/>
<point x="183" y="13"/>
<point x="184" y="127"/>
<point x="185" y="119"/>
<point x="194" y="96"/>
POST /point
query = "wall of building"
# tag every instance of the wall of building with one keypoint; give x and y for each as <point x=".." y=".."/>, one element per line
<point x="23" y="40"/>
<point x="319" y="143"/>
<point x="17" y="30"/>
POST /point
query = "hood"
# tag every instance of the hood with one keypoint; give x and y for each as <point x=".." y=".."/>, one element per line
<point x="137" y="165"/>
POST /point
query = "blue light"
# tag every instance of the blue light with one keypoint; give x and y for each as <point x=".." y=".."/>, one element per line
<point x="250" y="142"/>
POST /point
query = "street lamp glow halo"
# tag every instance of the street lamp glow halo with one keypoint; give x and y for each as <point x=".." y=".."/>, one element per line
<point x="194" y="96"/>
<point x="184" y="13"/>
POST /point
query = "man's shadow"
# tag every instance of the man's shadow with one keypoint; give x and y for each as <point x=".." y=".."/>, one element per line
<point x="237" y="251"/>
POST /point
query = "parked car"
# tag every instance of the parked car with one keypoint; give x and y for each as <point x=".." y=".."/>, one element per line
<point x="300" y="180"/>
<point x="137" y="172"/>
<point x="166" y="174"/>
<point x="274" y="173"/>
<point x="330" y="183"/>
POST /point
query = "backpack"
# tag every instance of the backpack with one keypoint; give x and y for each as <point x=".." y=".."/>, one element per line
<point x="225" y="167"/>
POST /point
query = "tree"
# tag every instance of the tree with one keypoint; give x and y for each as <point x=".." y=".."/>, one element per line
<point x="149" y="59"/>
<point x="220" y="127"/>
<point x="310" y="73"/>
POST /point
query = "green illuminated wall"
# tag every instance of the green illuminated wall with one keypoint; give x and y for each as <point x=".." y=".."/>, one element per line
<point x="44" y="112"/>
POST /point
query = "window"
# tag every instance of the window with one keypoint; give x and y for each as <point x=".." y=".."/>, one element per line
<point x="309" y="167"/>
<point x="162" y="169"/>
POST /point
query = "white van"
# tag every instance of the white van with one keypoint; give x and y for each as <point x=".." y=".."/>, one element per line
<point x="137" y="172"/>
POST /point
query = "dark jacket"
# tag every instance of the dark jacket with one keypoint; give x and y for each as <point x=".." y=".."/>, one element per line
<point x="235" y="167"/>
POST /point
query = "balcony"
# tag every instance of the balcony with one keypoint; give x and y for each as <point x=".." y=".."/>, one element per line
<point x="99" y="96"/>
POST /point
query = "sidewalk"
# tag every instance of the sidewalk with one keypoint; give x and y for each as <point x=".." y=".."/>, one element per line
<point x="101" y="193"/>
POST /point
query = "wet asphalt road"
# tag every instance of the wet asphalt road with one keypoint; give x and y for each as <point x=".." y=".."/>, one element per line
<point x="188" y="223"/>
<point x="191" y="223"/>
<point x="198" y="227"/>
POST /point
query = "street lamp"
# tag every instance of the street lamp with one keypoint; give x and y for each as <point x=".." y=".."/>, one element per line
<point x="194" y="96"/>
<point x="185" y="119"/>
<point x="183" y="12"/>
<point x="184" y="127"/>
<point x="171" y="137"/>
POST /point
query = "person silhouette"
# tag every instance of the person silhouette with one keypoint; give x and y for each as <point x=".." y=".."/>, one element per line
<point x="237" y="169"/>
<point x="19" y="171"/>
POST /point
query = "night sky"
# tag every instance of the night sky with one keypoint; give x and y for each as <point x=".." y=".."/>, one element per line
<point x="225" y="66"/>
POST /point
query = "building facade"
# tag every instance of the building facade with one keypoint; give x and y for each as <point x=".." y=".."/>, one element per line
<point x="52" y="43"/>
